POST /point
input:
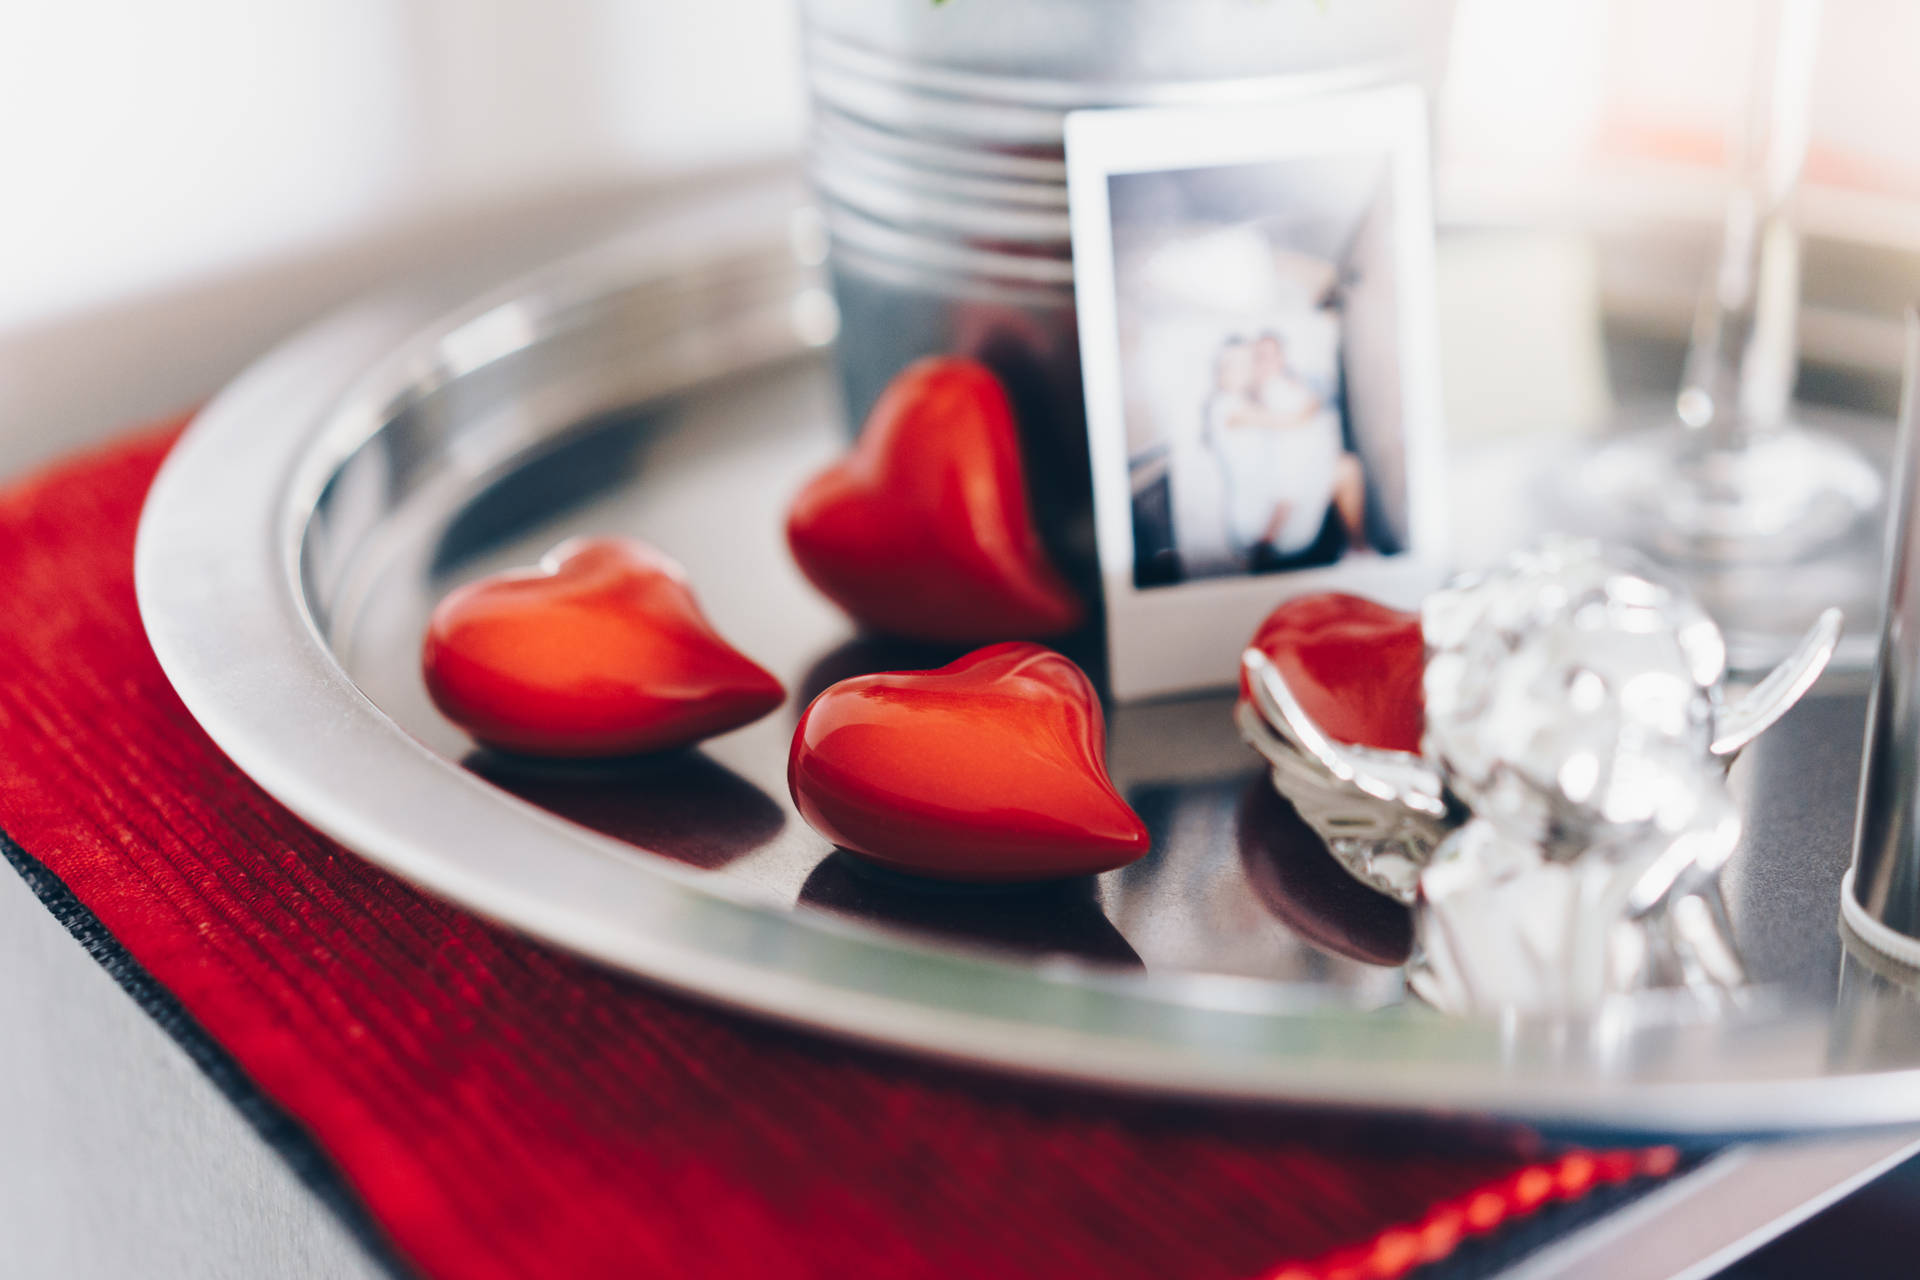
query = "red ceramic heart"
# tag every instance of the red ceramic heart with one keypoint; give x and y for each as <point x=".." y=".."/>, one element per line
<point x="1355" y="666"/>
<point x="600" y="651"/>
<point x="992" y="768"/>
<point x="923" y="531"/>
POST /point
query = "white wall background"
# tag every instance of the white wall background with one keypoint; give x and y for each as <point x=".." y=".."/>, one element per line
<point x="182" y="181"/>
<point x="1542" y="93"/>
<point x="145" y="144"/>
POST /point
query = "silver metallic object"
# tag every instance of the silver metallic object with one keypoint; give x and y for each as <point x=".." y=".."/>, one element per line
<point x="670" y="386"/>
<point x="1561" y="832"/>
<point x="937" y="154"/>
<point x="1380" y="813"/>
<point x="1880" y="899"/>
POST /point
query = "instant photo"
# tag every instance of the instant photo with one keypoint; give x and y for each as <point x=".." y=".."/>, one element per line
<point x="1256" y="316"/>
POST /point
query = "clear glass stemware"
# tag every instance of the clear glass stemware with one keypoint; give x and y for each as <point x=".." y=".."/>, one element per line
<point x="1730" y="489"/>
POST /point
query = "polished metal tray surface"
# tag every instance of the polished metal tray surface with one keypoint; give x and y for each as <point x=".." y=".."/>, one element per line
<point x="673" y="386"/>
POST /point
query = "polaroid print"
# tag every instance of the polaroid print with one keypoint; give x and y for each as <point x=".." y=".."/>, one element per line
<point x="1259" y="353"/>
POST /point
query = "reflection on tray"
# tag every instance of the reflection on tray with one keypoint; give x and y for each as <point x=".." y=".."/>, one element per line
<point x="1298" y="880"/>
<point x="866" y="654"/>
<point x="681" y="806"/>
<point x="1059" y="918"/>
<point x="590" y="460"/>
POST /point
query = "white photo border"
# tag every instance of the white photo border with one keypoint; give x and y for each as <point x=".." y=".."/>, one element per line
<point x="1187" y="637"/>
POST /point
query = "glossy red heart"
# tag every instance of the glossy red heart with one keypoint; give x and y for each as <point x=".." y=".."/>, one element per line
<point x="600" y="651"/>
<point x="1355" y="666"/>
<point x="992" y="768"/>
<point x="924" y="531"/>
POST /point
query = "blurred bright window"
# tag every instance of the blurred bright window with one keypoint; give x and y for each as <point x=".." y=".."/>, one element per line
<point x="149" y="149"/>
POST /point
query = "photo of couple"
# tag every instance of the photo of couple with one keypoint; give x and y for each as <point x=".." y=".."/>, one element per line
<point x="1282" y="458"/>
<point x="1254" y="293"/>
<point x="1258" y="330"/>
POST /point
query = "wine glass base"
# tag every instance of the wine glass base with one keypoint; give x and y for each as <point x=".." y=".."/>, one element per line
<point x="1781" y="498"/>
<point x="1766" y="538"/>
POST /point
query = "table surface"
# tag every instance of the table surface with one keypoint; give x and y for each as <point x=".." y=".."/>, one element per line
<point x="119" y="1156"/>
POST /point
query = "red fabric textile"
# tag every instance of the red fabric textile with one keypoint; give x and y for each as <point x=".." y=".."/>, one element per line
<point x="507" y="1111"/>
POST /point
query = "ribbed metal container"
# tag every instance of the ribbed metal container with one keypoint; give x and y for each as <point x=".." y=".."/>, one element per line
<point x="1880" y="900"/>
<point x="937" y="155"/>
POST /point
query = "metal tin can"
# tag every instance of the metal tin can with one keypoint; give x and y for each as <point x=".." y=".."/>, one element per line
<point x="937" y="156"/>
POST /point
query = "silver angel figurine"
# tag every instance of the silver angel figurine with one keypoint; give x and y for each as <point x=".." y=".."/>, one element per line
<point x="1561" y="832"/>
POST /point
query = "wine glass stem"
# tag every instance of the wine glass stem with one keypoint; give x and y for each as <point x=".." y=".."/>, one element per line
<point x="1740" y="363"/>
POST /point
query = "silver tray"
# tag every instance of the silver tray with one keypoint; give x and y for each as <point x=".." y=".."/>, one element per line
<point x="672" y="386"/>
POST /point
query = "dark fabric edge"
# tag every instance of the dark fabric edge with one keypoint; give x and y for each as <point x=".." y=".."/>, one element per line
<point x="292" y="1143"/>
<point x="1475" y="1259"/>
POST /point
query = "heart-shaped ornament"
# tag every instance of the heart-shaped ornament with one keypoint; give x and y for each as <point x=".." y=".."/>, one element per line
<point x="1354" y="665"/>
<point x="923" y="531"/>
<point x="600" y="651"/>
<point x="990" y="769"/>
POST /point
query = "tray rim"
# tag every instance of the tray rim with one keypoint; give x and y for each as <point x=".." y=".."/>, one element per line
<point x="219" y="596"/>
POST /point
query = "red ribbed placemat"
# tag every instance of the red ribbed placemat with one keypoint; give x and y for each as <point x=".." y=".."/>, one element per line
<point x="502" y="1110"/>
